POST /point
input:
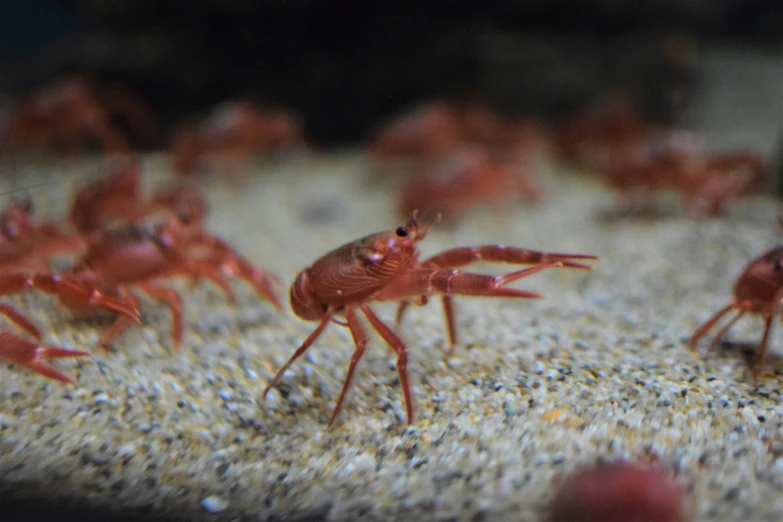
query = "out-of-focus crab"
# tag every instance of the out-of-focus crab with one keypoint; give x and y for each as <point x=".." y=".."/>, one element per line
<point x="233" y="135"/>
<point x="705" y="182"/>
<point x="467" y="180"/>
<point x="426" y="135"/>
<point x="600" y="136"/>
<point x="27" y="246"/>
<point x="119" y="198"/>
<point x="74" y="112"/>
<point x="132" y="256"/>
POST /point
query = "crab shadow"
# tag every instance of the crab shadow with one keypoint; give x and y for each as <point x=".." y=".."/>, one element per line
<point x="620" y="213"/>
<point x="748" y="350"/>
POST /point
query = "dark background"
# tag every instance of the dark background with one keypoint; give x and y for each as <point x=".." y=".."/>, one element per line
<point x="348" y="65"/>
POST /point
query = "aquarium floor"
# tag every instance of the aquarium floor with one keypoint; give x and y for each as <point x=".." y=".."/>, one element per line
<point x="599" y="368"/>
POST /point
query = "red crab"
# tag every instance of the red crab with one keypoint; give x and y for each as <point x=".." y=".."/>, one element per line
<point x="600" y="136"/>
<point x="234" y="134"/>
<point x="618" y="492"/>
<point x="31" y="355"/>
<point x="135" y="257"/>
<point x="385" y="267"/>
<point x="75" y="110"/>
<point x="706" y="183"/>
<point x="119" y="198"/>
<point x="468" y="180"/>
<point x="427" y="132"/>
<point x="28" y="246"/>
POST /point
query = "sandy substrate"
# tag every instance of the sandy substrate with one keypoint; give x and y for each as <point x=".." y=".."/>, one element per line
<point x="599" y="368"/>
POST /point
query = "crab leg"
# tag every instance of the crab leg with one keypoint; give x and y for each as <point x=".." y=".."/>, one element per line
<point x="722" y="332"/>
<point x="396" y="344"/>
<point x="18" y="350"/>
<point x="67" y="290"/>
<point x="19" y="320"/>
<point x="762" y="347"/>
<point x="360" y="340"/>
<point x="703" y="329"/>
<point x="302" y="349"/>
<point x="174" y="303"/>
<point x="122" y="322"/>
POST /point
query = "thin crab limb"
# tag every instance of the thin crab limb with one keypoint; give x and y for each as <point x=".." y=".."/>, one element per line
<point x="458" y="257"/>
<point x="22" y="352"/>
<point x="122" y="322"/>
<point x="261" y="281"/>
<point x="763" y="346"/>
<point x="302" y="349"/>
<point x="451" y="325"/>
<point x="174" y="303"/>
<point x="232" y="264"/>
<point x="706" y="327"/>
<point x="20" y="320"/>
<point x="726" y="328"/>
<point x="396" y="344"/>
<point x="360" y="340"/>
<point x="198" y="268"/>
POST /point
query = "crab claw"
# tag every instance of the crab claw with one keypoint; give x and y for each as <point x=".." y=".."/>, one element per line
<point x="18" y="350"/>
<point x="117" y="305"/>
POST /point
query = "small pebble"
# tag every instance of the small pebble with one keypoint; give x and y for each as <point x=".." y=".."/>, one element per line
<point x="127" y="450"/>
<point x="214" y="504"/>
<point x="582" y="345"/>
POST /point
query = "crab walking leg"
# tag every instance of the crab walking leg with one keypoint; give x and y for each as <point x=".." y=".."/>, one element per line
<point x="19" y="320"/>
<point x="29" y="355"/>
<point x="763" y="346"/>
<point x="99" y="127"/>
<point x="706" y="327"/>
<point x="196" y="269"/>
<point x="400" y="349"/>
<point x="174" y="303"/>
<point x="451" y="325"/>
<point x="122" y="322"/>
<point x="360" y="340"/>
<point x="232" y="264"/>
<point x="722" y="332"/>
<point x="302" y="349"/>
<point x="122" y="102"/>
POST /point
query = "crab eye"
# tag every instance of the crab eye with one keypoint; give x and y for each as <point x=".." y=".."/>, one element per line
<point x="401" y="231"/>
<point x="778" y="266"/>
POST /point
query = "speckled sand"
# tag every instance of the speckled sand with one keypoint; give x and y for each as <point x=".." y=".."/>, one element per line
<point x="598" y="368"/>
